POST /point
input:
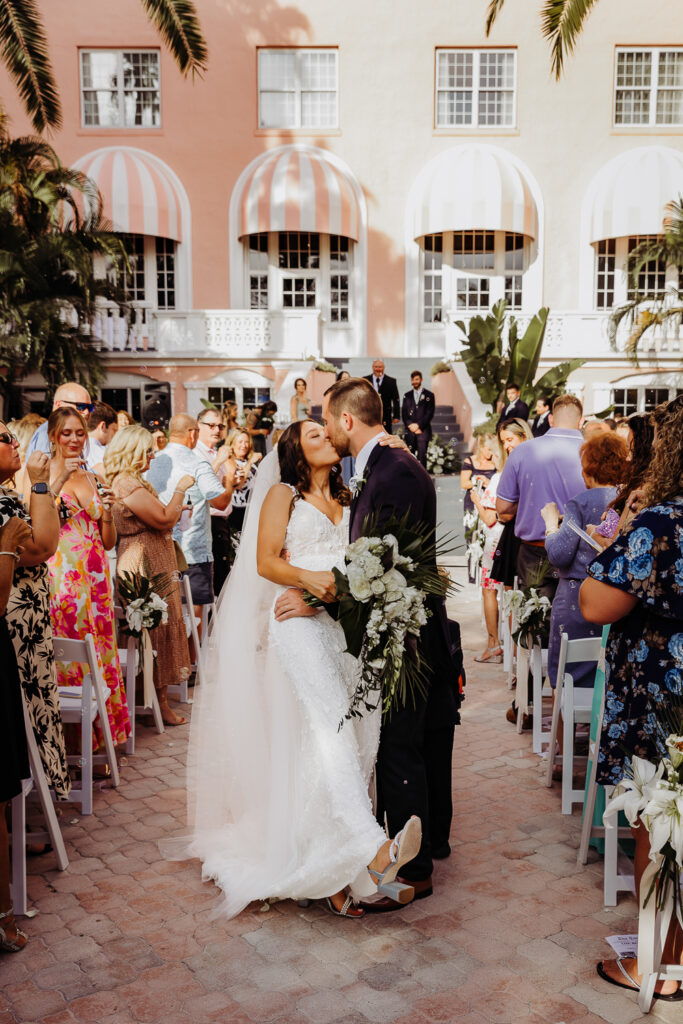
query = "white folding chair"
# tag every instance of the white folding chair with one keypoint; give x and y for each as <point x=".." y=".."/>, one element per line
<point x="83" y="704"/>
<point x="539" y="676"/>
<point x="128" y="659"/>
<point x="511" y="664"/>
<point x="180" y="690"/>
<point x="38" y="784"/>
<point x="575" y="704"/>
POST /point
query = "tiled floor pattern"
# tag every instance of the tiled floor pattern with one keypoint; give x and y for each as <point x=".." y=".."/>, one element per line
<point x="511" y="934"/>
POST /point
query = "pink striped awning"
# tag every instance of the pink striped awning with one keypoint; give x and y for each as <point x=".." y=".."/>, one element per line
<point x="633" y="191"/>
<point x="474" y="188"/>
<point x="299" y="189"/>
<point x="137" y="189"/>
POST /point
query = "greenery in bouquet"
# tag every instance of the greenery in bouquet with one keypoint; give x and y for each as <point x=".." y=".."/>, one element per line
<point x="474" y="539"/>
<point x="652" y="794"/>
<point x="382" y="593"/>
<point x="142" y="598"/>
<point x="442" y="458"/>
<point x="531" y="612"/>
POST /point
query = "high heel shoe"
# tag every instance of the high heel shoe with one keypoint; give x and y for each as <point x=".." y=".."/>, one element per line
<point x="347" y="909"/>
<point x="11" y="945"/>
<point x="403" y="847"/>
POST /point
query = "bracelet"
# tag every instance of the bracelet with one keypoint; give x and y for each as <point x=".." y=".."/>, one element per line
<point x="181" y="493"/>
<point x="12" y="554"/>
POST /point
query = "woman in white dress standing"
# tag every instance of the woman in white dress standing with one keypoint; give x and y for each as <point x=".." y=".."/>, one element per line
<point x="278" y="793"/>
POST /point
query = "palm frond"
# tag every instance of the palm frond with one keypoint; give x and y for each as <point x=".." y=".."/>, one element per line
<point x="562" y="21"/>
<point x="178" y="25"/>
<point x="492" y="14"/>
<point x="23" y="46"/>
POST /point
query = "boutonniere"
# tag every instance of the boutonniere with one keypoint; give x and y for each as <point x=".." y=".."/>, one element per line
<point x="421" y="398"/>
<point x="356" y="484"/>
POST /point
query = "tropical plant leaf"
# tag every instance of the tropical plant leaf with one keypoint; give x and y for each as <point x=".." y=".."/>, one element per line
<point x="554" y="381"/>
<point x="525" y="352"/>
<point x="23" y="46"/>
<point x="562" y="21"/>
<point x="492" y="13"/>
<point x="178" y="26"/>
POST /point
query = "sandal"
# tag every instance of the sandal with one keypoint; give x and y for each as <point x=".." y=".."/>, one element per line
<point x="495" y="656"/>
<point x="633" y="986"/>
<point x="11" y="945"/>
<point x="403" y="847"/>
<point x="347" y="909"/>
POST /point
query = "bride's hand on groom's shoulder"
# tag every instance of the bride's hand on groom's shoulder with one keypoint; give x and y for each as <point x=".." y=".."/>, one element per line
<point x="392" y="441"/>
<point x="291" y="605"/>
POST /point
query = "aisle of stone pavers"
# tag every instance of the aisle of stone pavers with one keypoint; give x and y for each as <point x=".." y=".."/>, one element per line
<point x="511" y="934"/>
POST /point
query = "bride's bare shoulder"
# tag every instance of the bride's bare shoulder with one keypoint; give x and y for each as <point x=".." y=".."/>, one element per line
<point x="280" y="496"/>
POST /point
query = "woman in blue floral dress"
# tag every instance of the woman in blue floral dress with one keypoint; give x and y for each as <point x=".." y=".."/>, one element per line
<point x="637" y="585"/>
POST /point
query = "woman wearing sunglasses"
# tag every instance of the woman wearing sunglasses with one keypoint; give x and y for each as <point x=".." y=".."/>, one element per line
<point x="144" y="528"/>
<point x="28" y="607"/>
<point x="81" y="591"/>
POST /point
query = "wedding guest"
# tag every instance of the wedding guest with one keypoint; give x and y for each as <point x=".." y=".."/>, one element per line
<point x="387" y="389"/>
<point x="242" y="462"/>
<point x="640" y="440"/>
<point x="299" y="403"/>
<point x="28" y="608"/>
<point x="80" y="583"/>
<point x="485" y="505"/>
<point x="635" y="585"/>
<point x="417" y="411"/>
<point x="504" y="565"/>
<point x="24" y="429"/>
<point x="541" y="421"/>
<point x="144" y="528"/>
<point x="603" y="465"/>
<point x="159" y="439"/>
<point x="516" y="409"/>
<point x="102" y="425"/>
<point x="67" y="396"/>
<point x="545" y="469"/>
<point x="591" y="428"/>
<point x="259" y="425"/>
<point x="211" y="434"/>
<point x="231" y="420"/>
<point x="14" y="764"/>
<point x="477" y="470"/>
<point x="124" y="418"/>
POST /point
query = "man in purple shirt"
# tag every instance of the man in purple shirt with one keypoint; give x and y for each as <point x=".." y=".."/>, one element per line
<point x="548" y="468"/>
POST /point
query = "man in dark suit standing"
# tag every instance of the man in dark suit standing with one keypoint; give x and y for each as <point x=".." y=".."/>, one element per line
<point x="387" y="389"/>
<point x="516" y="409"/>
<point x="416" y="412"/>
<point x="540" y="424"/>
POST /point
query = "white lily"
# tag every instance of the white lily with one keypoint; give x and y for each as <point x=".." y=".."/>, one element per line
<point x="674" y="745"/>
<point x="632" y="795"/>
<point x="663" y="817"/>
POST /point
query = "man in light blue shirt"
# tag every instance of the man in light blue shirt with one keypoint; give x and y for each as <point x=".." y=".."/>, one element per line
<point x="168" y="466"/>
<point x="548" y="468"/>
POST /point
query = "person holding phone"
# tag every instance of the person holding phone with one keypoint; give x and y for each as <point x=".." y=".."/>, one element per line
<point x="82" y="599"/>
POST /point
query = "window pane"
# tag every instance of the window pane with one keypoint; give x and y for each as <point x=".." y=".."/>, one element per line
<point x="258" y="251"/>
<point x="655" y="397"/>
<point x="605" y="267"/>
<point x="165" y="254"/>
<point x="319" y="70"/>
<point x="121" y="88"/>
<point x="142" y="96"/>
<point x="455" y="70"/>
<point x="132" y="278"/>
<point x="495" y="108"/>
<point x="318" y="109"/>
<point x="651" y="276"/>
<point x="496" y="71"/>
<point x="670" y="106"/>
<point x="299" y="250"/>
<point x="277" y="110"/>
<point x="634" y="69"/>
<point x="277" y="70"/>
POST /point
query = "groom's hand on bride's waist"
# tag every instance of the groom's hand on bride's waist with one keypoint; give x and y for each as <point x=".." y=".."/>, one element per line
<point x="291" y="605"/>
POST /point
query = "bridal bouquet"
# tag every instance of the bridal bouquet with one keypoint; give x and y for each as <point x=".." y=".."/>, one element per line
<point x="141" y="597"/>
<point x="653" y="794"/>
<point x="382" y="593"/>
<point x="532" y="614"/>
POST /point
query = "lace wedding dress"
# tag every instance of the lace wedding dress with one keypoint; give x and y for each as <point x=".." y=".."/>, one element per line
<point x="278" y="793"/>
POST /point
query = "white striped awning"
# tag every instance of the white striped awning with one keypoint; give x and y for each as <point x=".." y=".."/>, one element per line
<point x="139" y="193"/>
<point x="633" y="190"/>
<point x="297" y="188"/>
<point x="474" y="188"/>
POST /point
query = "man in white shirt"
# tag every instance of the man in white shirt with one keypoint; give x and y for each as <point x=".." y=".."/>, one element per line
<point x="387" y="389"/>
<point x="102" y="425"/>
<point x="211" y="431"/>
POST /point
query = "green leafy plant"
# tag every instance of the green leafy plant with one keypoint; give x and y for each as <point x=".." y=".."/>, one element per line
<point x="324" y="367"/>
<point x="441" y="367"/>
<point x="561" y="23"/>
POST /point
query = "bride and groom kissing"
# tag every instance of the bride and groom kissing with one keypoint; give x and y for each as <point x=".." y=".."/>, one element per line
<point x="279" y="803"/>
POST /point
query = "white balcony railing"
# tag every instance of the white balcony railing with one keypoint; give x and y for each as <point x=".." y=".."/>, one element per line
<point x="211" y="333"/>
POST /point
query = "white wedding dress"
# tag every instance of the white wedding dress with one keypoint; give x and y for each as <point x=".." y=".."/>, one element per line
<point x="278" y="792"/>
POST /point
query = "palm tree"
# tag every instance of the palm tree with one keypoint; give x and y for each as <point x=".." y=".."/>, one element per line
<point x="561" y="21"/>
<point x="661" y="307"/>
<point x="48" y="289"/>
<point x="24" y="51"/>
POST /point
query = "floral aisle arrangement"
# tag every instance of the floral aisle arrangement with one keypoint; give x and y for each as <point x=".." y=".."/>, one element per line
<point x="531" y="612"/>
<point x="382" y="594"/>
<point x="441" y="458"/>
<point x="652" y="794"/>
<point x="145" y="609"/>
<point x="474" y="539"/>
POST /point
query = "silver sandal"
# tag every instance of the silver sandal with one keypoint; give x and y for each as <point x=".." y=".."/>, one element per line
<point x="11" y="945"/>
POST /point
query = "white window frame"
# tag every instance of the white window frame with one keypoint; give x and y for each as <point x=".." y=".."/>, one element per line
<point x="651" y="122"/>
<point x="322" y="274"/>
<point x="621" y="283"/>
<point x="298" y="52"/>
<point x="476" y="59"/>
<point x="641" y="391"/>
<point x="151" y="298"/>
<point x="451" y="274"/>
<point x="119" y="51"/>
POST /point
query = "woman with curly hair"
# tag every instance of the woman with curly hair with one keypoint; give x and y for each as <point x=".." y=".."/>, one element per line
<point x="145" y="546"/>
<point x="636" y="584"/>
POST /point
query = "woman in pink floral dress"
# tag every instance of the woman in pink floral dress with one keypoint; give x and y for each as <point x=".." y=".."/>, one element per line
<point x="81" y="600"/>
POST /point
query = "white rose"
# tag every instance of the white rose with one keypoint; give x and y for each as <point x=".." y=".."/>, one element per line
<point x="358" y="584"/>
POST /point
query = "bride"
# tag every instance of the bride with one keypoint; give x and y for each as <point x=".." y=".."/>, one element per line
<point x="278" y="799"/>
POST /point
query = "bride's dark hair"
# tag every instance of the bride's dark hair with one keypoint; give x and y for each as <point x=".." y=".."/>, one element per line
<point x="295" y="470"/>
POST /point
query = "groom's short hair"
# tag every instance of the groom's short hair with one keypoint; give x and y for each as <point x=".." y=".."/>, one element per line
<point x="357" y="397"/>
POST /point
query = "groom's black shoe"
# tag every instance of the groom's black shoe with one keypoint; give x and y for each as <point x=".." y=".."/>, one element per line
<point x="442" y="851"/>
<point x="386" y="905"/>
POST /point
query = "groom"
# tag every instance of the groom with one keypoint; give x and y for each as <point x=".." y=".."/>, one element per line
<point x="414" y="758"/>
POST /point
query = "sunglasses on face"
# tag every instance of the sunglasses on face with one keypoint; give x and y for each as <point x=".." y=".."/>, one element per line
<point x="7" y="438"/>
<point x="81" y="406"/>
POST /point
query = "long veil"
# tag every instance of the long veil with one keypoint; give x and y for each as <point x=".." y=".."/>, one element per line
<point x="237" y="721"/>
